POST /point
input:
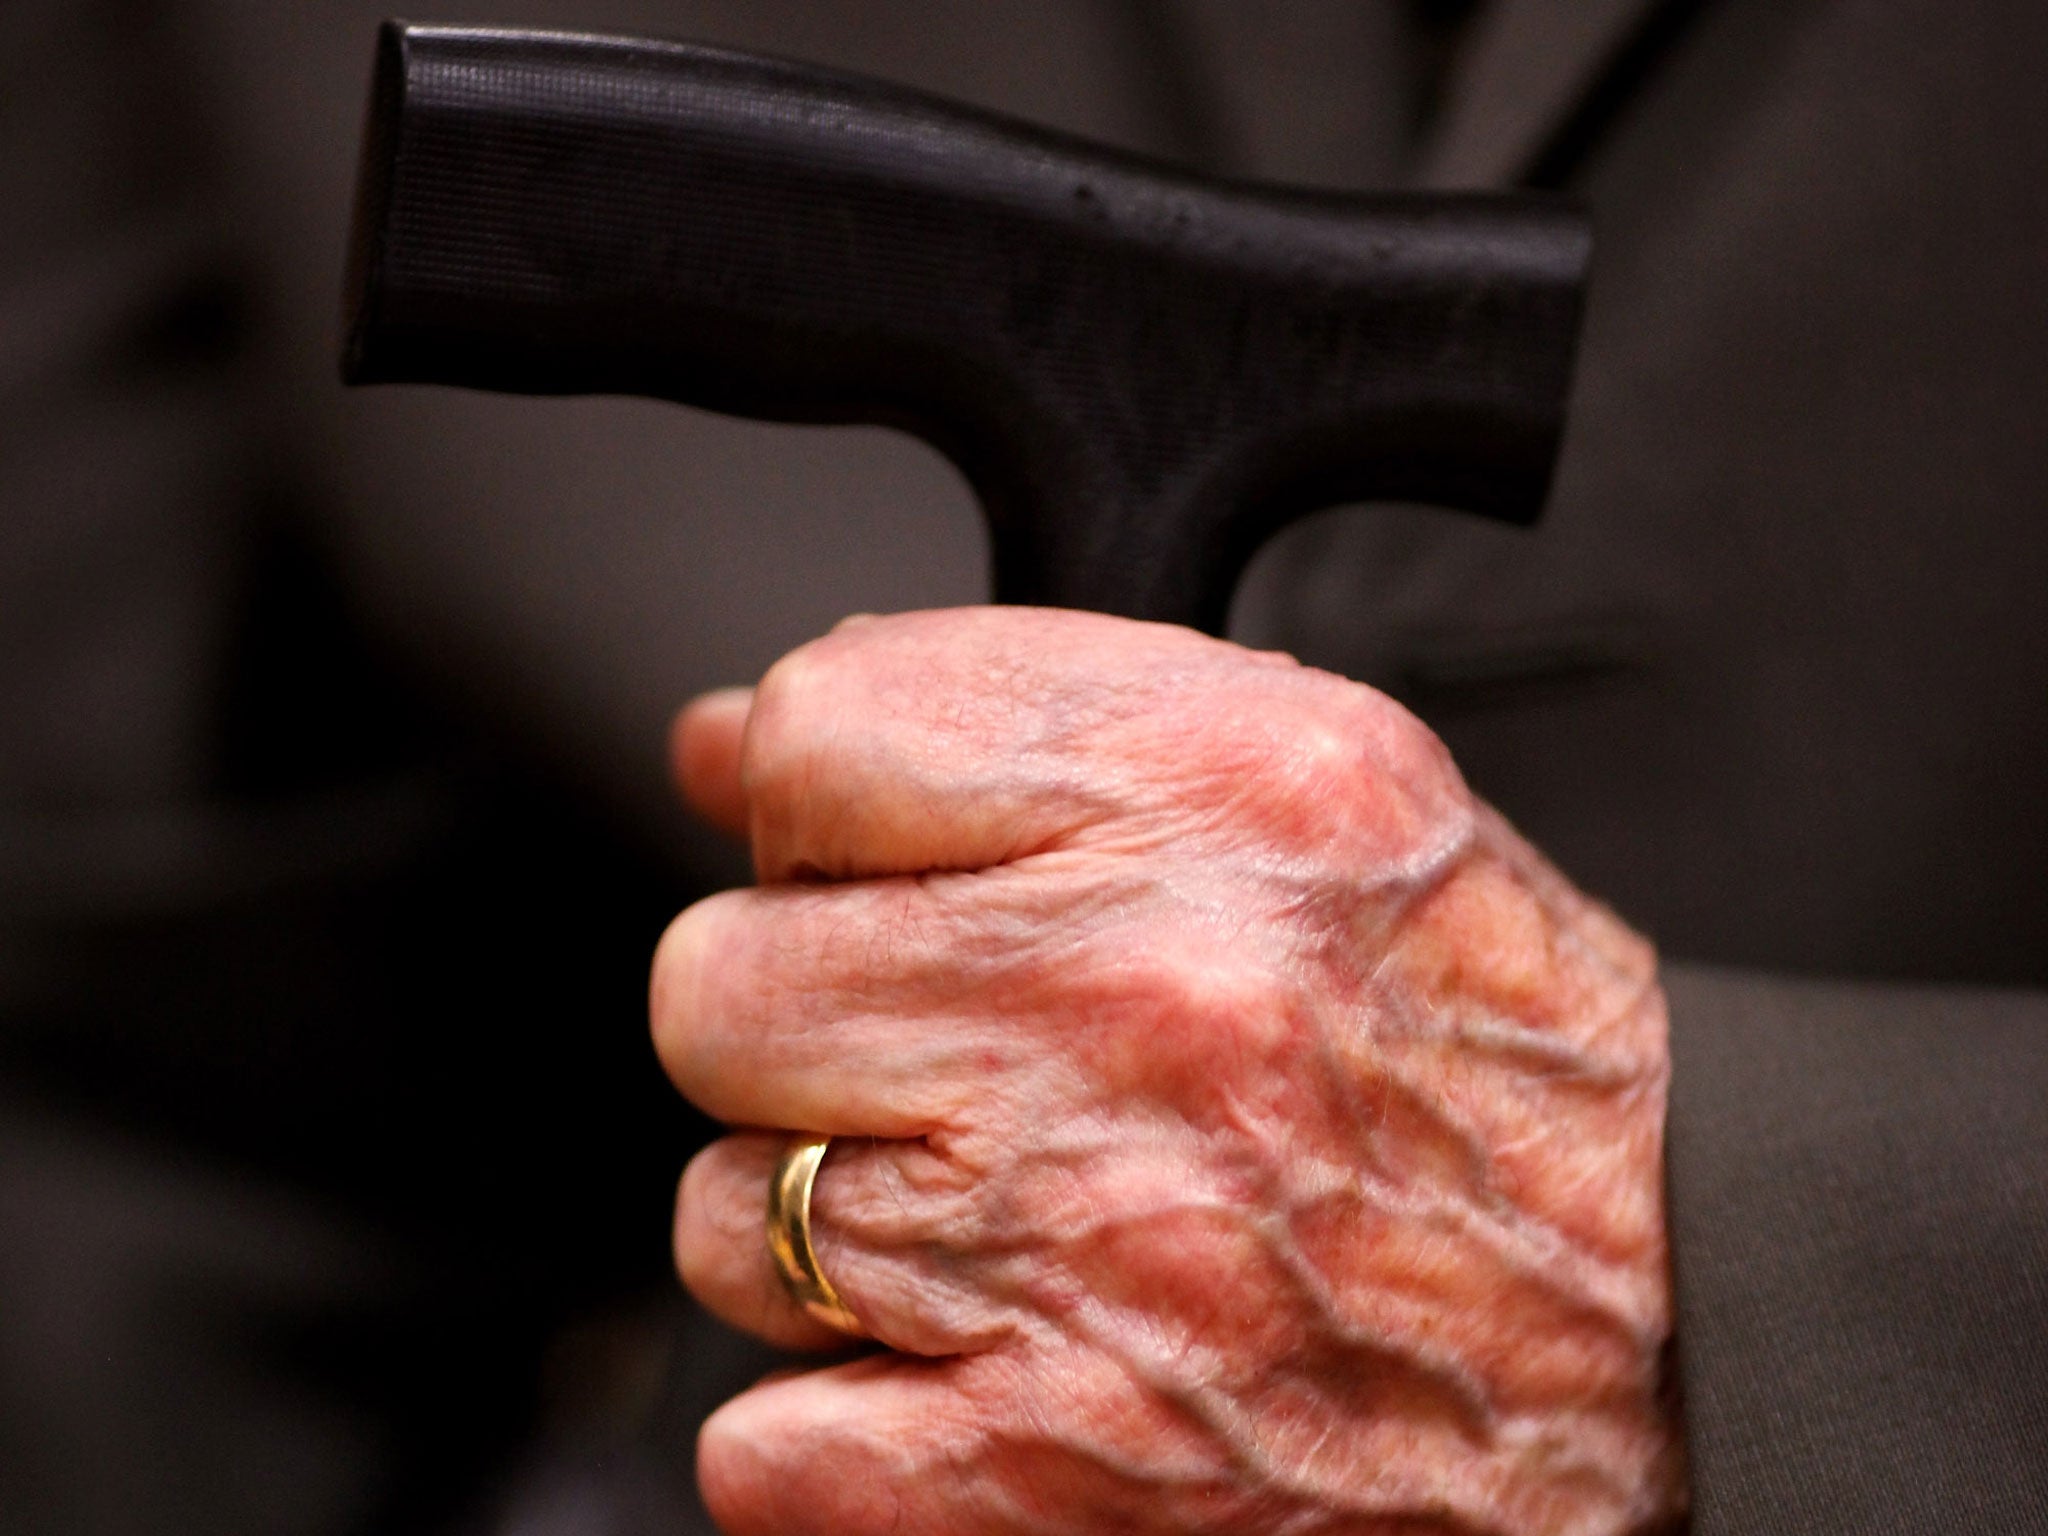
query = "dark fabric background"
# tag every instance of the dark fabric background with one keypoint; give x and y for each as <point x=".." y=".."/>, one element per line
<point x="334" y="1168"/>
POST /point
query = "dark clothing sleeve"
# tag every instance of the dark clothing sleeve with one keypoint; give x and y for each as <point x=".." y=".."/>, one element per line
<point x="1860" y="1234"/>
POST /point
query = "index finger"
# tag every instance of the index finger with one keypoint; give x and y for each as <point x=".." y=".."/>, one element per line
<point x="968" y="738"/>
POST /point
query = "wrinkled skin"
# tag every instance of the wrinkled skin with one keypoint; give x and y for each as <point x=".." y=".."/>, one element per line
<point x="1244" y="1130"/>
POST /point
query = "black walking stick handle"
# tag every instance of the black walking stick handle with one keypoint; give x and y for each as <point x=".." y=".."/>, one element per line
<point x="1142" y="372"/>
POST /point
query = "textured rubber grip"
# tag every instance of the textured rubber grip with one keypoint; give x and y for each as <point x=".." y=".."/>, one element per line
<point x="1141" y="372"/>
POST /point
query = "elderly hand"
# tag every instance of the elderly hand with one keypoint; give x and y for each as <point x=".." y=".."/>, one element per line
<point x="1242" y="1129"/>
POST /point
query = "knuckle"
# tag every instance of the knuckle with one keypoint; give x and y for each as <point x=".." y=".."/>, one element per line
<point x="1186" y="1011"/>
<point x="787" y="704"/>
<point x="1227" y="1004"/>
<point x="887" y="1194"/>
<point x="851" y="1210"/>
<point x="1362" y="776"/>
<point x="1411" y="751"/>
<point x="1350" y="737"/>
<point x="1325" y="760"/>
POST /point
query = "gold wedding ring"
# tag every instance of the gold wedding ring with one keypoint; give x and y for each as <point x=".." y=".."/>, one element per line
<point x="789" y="1235"/>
